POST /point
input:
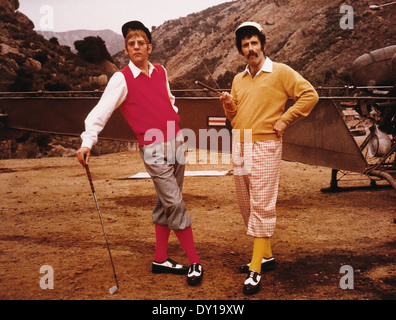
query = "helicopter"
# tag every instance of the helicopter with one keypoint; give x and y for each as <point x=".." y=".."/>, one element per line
<point x="354" y="132"/>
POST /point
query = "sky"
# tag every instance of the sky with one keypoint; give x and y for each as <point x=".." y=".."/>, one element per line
<point x="66" y="15"/>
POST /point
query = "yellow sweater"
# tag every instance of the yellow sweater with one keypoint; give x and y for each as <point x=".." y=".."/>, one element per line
<point x="261" y="101"/>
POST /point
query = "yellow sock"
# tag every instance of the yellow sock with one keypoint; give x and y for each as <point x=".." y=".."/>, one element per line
<point x="261" y="249"/>
<point x="267" y="251"/>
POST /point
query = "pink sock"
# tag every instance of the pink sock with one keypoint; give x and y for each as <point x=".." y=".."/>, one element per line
<point x="161" y="243"/>
<point x="187" y="242"/>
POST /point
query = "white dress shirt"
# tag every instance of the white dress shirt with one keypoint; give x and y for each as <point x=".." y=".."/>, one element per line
<point x="267" y="66"/>
<point x="112" y="97"/>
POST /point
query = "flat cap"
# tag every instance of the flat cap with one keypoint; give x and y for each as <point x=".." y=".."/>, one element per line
<point x="249" y="24"/>
<point x="135" y="25"/>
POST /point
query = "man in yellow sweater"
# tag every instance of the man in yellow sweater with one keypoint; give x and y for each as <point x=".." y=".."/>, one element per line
<point x="256" y="109"/>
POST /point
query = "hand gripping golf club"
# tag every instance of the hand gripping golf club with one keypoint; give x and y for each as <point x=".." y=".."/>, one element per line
<point x="112" y="289"/>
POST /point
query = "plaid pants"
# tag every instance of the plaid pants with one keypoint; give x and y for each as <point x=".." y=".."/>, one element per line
<point x="256" y="174"/>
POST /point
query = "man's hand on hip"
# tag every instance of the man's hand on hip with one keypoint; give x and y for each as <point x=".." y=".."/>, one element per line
<point x="280" y="127"/>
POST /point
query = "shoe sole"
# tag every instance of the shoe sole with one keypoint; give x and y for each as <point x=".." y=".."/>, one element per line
<point x="252" y="291"/>
<point x="195" y="281"/>
<point x="160" y="269"/>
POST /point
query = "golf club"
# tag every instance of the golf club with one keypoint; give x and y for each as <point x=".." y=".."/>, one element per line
<point x="207" y="87"/>
<point x="211" y="89"/>
<point x="114" y="288"/>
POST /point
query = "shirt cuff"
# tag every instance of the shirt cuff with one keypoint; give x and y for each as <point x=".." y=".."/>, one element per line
<point x="88" y="143"/>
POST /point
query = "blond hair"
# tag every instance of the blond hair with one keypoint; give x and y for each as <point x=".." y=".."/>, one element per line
<point x="134" y="33"/>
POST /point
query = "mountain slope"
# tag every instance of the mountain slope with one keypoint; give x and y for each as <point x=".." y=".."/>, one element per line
<point x="114" y="41"/>
<point x="304" y="34"/>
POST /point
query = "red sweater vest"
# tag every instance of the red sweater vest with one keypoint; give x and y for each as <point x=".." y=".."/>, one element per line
<point x="147" y="107"/>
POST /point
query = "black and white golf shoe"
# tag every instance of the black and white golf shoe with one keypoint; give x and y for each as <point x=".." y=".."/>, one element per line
<point x="252" y="283"/>
<point x="195" y="274"/>
<point x="168" y="266"/>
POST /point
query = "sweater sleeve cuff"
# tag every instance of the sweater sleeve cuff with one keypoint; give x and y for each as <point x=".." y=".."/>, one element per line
<point x="286" y="119"/>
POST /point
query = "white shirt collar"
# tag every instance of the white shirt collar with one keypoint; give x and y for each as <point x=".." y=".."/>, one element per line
<point x="267" y="66"/>
<point x="136" y="71"/>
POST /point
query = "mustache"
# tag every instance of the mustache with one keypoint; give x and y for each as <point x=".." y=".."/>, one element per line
<point x="251" y="54"/>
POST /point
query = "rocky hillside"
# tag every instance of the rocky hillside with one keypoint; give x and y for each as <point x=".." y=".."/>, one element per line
<point x="304" y="34"/>
<point x="29" y="62"/>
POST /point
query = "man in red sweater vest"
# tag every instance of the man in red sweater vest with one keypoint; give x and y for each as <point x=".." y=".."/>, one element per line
<point x="141" y="90"/>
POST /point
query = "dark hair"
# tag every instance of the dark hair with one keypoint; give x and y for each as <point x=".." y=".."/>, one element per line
<point x="248" y="32"/>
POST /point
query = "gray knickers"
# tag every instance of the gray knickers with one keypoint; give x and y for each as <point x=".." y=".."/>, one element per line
<point x="165" y="163"/>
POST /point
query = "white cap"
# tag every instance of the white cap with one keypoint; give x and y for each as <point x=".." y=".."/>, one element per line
<point x="250" y="24"/>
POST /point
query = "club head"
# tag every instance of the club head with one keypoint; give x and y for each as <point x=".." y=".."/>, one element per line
<point x="113" y="289"/>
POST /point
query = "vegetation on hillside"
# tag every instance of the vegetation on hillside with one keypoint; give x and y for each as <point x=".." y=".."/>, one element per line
<point x="29" y="62"/>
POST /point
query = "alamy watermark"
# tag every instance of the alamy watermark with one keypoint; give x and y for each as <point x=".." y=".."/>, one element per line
<point x="347" y="20"/>
<point x="47" y="281"/>
<point x="159" y="152"/>
<point x="152" y="154"/>
<point x="47" y="18"/>
<point x="347" y="280"/>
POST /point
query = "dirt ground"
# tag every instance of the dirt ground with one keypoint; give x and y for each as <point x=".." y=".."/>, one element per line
<point x="48" y="218"/>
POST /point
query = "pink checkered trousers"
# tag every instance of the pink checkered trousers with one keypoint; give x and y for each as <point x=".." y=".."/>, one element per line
<point x="256" y="174"/>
